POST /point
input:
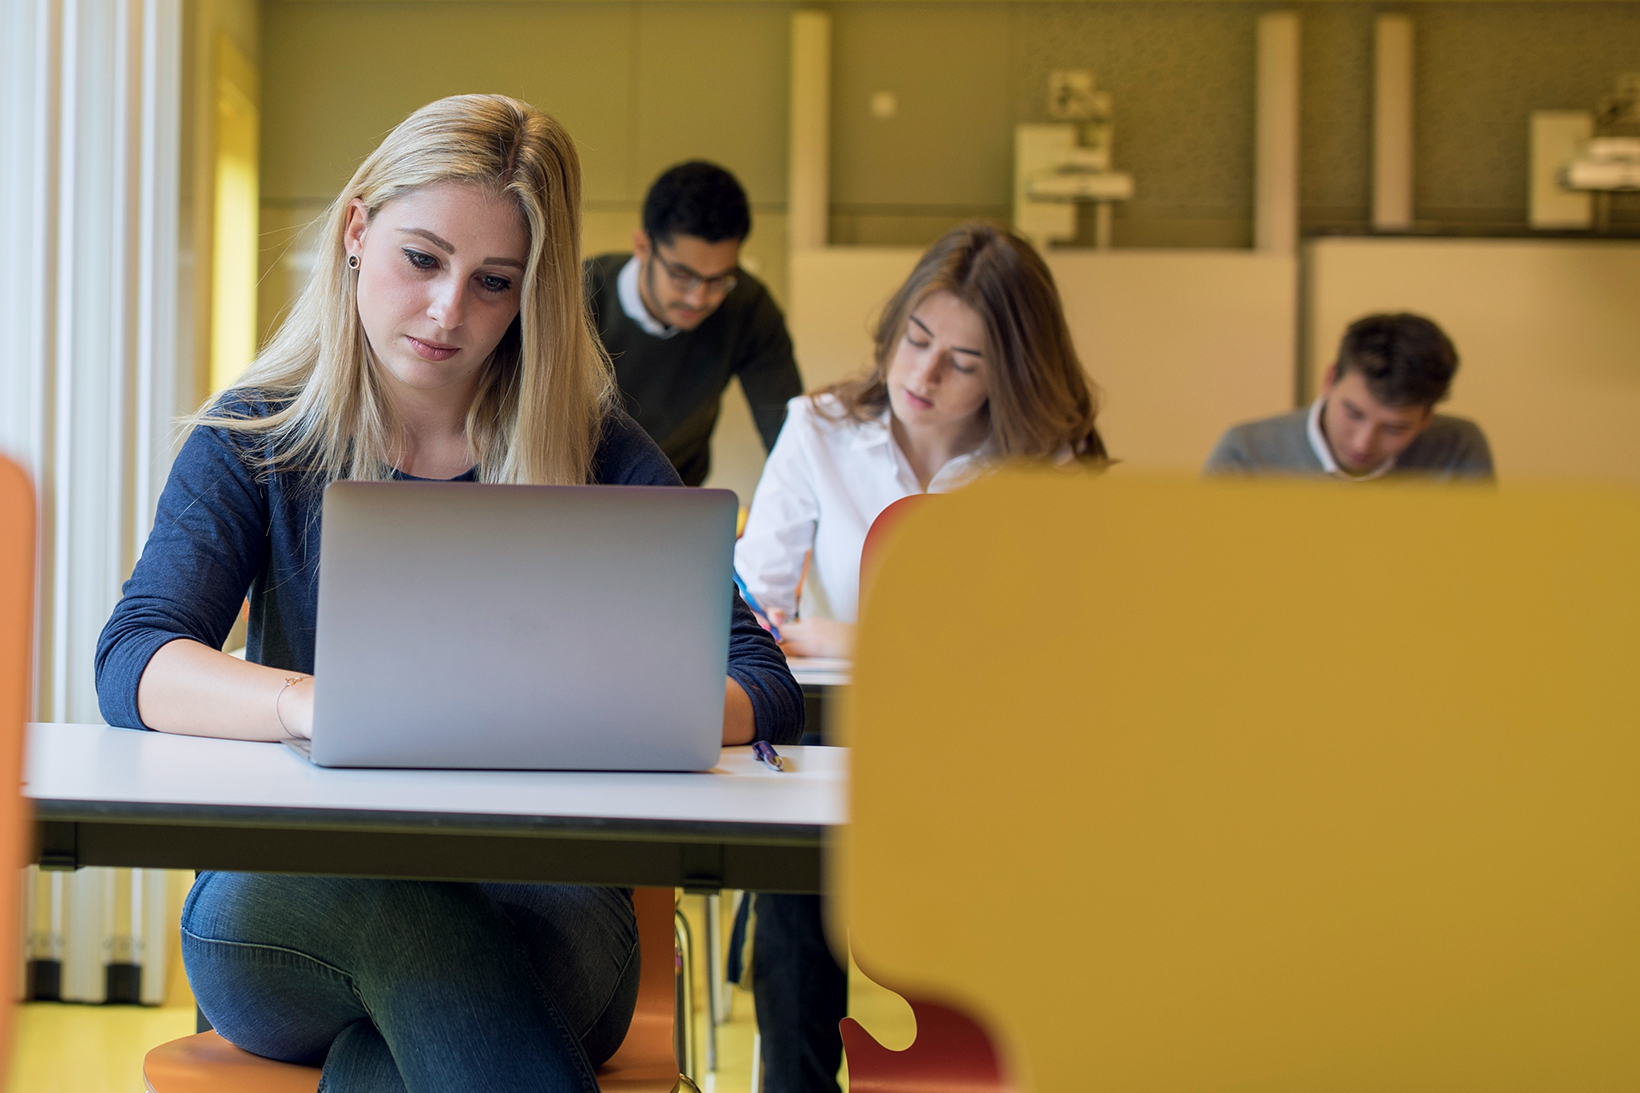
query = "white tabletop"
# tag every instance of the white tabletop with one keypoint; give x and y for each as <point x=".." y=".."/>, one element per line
<point x="820" y="671"/>
<point x="124" y="768"/>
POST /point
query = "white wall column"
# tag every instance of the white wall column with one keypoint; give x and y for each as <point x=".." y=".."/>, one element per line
<point x="1275" y="185"/>
<point x="809" y="175"/>
<point x="1392" y="125"/>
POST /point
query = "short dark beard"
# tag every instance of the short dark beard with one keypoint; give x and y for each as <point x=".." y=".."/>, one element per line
<point x="647" y="282"/>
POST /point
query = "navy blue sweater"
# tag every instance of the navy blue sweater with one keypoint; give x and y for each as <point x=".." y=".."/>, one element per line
<point x="223" y="527"/>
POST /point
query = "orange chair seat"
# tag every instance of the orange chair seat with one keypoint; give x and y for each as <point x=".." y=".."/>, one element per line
<point x="206" y="1063"/>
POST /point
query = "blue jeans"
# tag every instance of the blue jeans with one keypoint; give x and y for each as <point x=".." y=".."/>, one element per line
<point x="800" y="993"/>
<point x="416" y="986"/>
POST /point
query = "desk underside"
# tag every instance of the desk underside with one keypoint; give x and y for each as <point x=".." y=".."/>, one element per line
<point x="431" y="846"/>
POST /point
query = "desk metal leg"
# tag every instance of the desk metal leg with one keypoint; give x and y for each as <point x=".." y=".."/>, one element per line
<point x="715" y="1014"/>
<point x="684" y="1021"/>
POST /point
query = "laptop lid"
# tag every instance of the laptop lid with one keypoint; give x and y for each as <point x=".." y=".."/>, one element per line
<point x="522" y="627"/>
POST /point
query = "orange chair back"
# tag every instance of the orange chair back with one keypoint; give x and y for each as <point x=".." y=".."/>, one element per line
<point x="16" y="641"/>
<point x="951" y="1054"/>
<point x="878" y="534"/>
<point x="644" y="1063"/>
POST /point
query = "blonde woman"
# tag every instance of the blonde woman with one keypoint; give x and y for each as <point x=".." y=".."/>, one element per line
<point x="974" y="365"/>
<point x="443" y="336"/>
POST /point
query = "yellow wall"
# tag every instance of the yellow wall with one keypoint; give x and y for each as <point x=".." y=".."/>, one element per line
<point x="1182" y="350"/>
<point x="640" y="86"/>
<point x="212" y="29"/>
<point x="643" y="84"/>
<point x="234" y="211"/>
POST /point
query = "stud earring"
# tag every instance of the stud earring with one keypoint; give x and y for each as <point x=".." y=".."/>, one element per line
<point x="353" y="261"/>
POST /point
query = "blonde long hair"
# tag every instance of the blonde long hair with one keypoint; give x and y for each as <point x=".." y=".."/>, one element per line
<point x="541" y="397"/>
<point x="1040" y="402"/>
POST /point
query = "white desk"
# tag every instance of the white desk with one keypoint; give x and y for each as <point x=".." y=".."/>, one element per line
<point x="812" y="672"/>
<point x="105" y="796"/>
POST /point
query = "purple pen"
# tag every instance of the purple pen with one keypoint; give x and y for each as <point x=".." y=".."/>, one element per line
<point x="769" y="757"/>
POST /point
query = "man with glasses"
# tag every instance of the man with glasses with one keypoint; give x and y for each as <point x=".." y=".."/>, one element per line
<point x="680" y="318"/>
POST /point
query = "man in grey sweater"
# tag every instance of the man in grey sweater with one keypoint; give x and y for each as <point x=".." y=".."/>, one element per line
<point x="1375" y="417"/>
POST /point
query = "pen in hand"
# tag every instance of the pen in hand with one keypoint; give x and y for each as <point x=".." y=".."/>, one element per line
<point x="751" y="601"/>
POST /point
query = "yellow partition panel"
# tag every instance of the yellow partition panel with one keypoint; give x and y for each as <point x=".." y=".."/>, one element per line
<point x="1190" y="786"/>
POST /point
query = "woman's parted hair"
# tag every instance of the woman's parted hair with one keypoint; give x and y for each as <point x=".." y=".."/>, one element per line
<point x="1040" y="402"/>
<point x="541" y="397"/>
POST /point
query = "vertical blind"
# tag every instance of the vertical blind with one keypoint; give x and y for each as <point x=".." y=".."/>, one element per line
<point x="92" y="377"/>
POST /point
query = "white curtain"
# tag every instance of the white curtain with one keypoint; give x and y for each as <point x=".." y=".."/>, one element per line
<point x="91" y="377"/>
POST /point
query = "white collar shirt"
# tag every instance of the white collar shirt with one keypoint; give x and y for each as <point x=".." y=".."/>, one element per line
<point x="826" y="480"/>
<point x="626" y="288"/>
<point x="1323" y="450"/>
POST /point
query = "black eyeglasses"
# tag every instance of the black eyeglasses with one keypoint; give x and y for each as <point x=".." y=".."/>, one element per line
<point x="685" y="279"/>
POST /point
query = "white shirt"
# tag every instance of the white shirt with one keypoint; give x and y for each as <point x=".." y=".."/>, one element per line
<point x="1323" y="450"/>
<point x="823" y="485"/>
<point x="626" y="289"/>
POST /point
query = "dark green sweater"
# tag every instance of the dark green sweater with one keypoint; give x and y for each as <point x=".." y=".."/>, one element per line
<point x="674" y="386"/>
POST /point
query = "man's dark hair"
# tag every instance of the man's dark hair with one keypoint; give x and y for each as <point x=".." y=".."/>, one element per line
<point x="700" y="199"/>
<point x="1405" y="359"/>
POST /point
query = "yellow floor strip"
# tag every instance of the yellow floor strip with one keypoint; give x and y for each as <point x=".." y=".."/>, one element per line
<point x="67" y="1048"/>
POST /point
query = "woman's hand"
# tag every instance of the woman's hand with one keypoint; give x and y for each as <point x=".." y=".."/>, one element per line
<point x="814" y="637"/>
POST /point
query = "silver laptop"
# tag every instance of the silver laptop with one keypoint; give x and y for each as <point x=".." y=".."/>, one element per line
<point x="522" y="627"/>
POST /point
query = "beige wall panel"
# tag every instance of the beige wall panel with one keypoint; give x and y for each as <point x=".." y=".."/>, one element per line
<point x="836" y="294"/>
<point x="605" y="230"/>
<point x="808" y="140"/>
<point x="1275" y="183"/>
<point x="339" y="76"/>
<point x="1183" y="344"/>
<point x="1392" y="124"/>
<point x="1548" y="333"/>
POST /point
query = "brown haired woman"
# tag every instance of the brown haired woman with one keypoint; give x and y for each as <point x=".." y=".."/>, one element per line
<point x="974" y="366"/>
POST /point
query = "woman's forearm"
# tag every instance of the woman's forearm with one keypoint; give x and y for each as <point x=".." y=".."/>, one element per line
<point x="192" y="689"/>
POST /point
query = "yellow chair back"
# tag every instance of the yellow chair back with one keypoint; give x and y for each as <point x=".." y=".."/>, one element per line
<point x="1205" y="787"/>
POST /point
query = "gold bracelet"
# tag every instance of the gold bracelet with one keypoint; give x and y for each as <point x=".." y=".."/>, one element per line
<point x="289" y="681"/>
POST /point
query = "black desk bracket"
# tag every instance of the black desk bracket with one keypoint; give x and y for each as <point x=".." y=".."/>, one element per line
<point x="59" y="846"/>
<point x="702" y="868"/>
